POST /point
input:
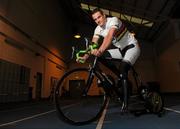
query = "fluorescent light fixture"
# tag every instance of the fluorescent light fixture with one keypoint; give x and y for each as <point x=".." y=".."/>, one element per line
<point x="136" y="20"/>
<point x="147" y="23"/>
<point x="105" y="11"/>
<point x="84" y="6"/>
<point x="125" y="17"/>
<point x="114" y="14"/>
<point x="92" y="7"/>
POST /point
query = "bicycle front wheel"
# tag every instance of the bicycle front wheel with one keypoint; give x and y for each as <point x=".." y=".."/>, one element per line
<point x="76" y="103"/>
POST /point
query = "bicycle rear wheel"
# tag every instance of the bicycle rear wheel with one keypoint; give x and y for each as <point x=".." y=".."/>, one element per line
<point x="75" y="103"/>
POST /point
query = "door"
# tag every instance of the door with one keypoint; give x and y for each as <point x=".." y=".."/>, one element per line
<point x="38" y="85"/>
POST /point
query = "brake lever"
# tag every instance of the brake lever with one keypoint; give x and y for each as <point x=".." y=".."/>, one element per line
<point x="73" y="51"/>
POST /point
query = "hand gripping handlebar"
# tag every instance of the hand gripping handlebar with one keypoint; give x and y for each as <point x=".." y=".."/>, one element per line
<point x="86" y="51"/>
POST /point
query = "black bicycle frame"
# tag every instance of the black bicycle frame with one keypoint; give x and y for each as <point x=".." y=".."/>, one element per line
<point x="95" y="70"/>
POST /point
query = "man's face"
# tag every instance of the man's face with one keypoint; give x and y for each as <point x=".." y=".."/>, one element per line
<point x="99" y="18"/>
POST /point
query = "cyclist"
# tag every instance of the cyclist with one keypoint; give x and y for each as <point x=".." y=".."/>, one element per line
<point x="117" y="43"/>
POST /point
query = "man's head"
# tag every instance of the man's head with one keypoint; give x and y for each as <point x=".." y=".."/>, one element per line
<point x="99" y="17"/>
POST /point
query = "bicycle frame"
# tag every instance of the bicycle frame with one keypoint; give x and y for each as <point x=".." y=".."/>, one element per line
<point x="95" y="69"/>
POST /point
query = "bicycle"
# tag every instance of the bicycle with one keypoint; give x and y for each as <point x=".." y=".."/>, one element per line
<point x="90" y="90"/>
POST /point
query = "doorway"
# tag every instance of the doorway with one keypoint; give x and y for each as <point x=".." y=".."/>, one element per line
<point x="38" y="85"/>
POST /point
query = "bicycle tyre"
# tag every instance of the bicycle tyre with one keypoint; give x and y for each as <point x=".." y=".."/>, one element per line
<point x="75" y="108"/>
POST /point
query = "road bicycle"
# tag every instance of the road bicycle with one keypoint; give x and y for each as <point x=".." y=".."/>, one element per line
<point x="82" y="94"/>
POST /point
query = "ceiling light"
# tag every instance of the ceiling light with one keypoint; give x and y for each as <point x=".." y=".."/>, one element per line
<point x="77" y="36"/>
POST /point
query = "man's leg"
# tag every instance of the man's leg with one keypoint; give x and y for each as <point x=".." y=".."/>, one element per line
<point x="124" y="68"/>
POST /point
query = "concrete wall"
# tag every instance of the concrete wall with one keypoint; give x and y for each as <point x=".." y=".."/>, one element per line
<point x="168" y="58"/>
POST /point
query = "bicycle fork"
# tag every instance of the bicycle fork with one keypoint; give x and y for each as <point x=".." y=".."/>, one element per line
<point x="88" y="83"/>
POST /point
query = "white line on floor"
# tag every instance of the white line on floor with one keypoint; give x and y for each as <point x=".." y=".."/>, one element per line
<point x="170" y="109"/>
<point x="27" y="118"/>
<point x="101" y="120"/>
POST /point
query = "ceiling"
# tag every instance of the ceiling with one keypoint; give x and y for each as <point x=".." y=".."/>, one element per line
<point x="159" y="12"/>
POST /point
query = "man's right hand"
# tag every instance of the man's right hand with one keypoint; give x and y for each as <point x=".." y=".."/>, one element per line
<point x="82" y="59"/>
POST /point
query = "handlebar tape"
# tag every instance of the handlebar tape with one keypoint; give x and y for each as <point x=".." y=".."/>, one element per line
<point x="87" y="51"/>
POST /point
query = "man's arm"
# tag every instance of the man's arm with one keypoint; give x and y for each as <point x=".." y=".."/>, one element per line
<point x="95" y="39"/>
<point x="107" y="40"/>
<point x="106" y="43"/>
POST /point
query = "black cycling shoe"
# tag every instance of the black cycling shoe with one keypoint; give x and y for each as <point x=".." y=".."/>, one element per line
<point x="124" y="109"/>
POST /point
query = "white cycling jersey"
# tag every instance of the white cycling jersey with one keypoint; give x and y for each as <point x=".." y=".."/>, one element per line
<point x="121" y="40"/>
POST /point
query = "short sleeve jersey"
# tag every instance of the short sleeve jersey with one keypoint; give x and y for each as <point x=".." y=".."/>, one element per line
<point x="113" y="22"/>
